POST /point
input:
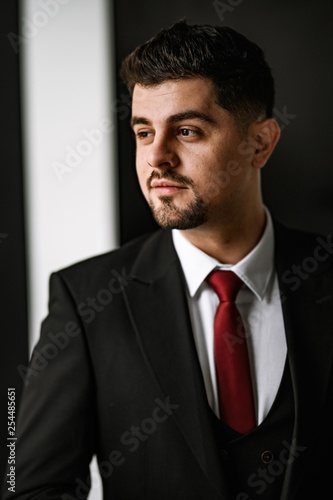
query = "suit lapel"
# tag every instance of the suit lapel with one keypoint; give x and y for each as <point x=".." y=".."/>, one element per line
<point x="158" y="309"/>
<point x="307" y="303"/>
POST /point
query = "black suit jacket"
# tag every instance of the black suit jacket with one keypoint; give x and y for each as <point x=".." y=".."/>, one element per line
<point x="116" y="373"/>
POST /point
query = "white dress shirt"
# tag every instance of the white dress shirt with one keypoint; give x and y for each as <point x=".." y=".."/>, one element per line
<point x="259" y="304"/>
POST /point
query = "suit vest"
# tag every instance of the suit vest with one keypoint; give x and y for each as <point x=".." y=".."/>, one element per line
<point x="255" y="463"/>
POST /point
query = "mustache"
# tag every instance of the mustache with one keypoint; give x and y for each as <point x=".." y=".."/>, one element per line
<point x="169" y="175"/>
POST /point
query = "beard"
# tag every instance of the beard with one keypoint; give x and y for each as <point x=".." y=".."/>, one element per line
<point x="170" y="216"/>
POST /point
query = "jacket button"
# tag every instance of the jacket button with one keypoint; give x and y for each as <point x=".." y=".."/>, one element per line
<point x="224" y="455"/>
<point x="267" y="457"/>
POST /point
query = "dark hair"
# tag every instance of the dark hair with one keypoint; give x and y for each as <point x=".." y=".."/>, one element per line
<point x="236" y="66"/>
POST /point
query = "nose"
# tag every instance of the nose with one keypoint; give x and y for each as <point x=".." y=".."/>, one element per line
<point x="162" y="153"/>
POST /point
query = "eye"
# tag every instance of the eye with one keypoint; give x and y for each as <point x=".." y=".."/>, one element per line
<point x="188" y="132"/>
<point x="142" y="134"/>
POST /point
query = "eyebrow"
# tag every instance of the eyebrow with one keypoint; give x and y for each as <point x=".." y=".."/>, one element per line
<point x="178" y="117"/>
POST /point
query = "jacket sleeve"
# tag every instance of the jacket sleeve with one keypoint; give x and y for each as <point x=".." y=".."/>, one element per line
<point x="56" y="421"/>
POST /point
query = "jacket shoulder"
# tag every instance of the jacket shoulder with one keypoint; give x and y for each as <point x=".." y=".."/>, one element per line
<point x="297" y="237"/>
<point x="296" y="247"/>
<point x="96" y="269"/>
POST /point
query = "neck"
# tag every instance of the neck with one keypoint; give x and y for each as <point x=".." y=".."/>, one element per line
<point x="229" y="242"/>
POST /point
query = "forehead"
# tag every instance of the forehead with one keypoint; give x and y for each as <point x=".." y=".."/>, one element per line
<point x="173" y="96"/>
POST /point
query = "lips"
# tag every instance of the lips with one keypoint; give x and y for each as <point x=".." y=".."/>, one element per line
<point x="166" y="188"/>
<point x="158" y="184"/>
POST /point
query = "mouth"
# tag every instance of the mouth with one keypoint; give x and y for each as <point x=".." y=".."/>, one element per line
<point x="166" y="187"/>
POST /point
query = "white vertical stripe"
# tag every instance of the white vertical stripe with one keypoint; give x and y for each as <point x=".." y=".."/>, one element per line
<point x="69" y="141"/>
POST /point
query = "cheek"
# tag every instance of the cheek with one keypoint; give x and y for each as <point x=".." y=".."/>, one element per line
<point x="142" y="175"/>
<point x="217" y="176"/>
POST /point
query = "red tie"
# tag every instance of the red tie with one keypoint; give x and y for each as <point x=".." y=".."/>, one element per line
<point x="231" y="355"/>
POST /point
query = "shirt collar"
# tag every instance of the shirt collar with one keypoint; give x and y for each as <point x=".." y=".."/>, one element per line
<point x="255" y="269"/>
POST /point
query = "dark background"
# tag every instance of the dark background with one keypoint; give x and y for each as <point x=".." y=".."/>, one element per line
<point x="297" y="38"/>
<point x="13" y="297"/>
<point x="298" y="181"/>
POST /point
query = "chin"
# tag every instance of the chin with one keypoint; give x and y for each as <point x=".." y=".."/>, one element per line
<point x="181" y="223"/>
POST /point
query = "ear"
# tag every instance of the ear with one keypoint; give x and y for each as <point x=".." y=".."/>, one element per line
<point x="263" y="135"/>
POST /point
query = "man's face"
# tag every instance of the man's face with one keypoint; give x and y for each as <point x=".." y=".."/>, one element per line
<point x="192" y="164"/>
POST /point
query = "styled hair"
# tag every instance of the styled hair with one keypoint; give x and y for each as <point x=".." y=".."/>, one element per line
<point x="236" y="66"/>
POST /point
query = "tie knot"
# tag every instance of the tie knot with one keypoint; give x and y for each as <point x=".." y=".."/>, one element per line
<point x="226" y="285"/>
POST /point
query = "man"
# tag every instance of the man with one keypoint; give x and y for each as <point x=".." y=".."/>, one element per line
<point x="181" y="392"/>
